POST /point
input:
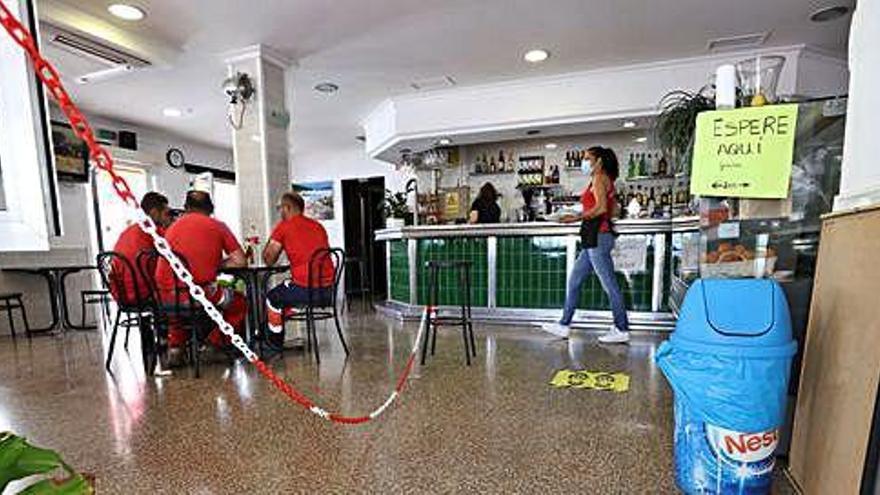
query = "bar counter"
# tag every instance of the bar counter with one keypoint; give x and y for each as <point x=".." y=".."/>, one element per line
<point x="519" y="271"/>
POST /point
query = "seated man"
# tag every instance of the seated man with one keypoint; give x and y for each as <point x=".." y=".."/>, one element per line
<point x="203" y="242"/>
<point x="299" y="237"/>
<point x="132" y="241"/>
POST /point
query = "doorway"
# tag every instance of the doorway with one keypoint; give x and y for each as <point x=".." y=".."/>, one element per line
<point x="362" y="216"/>
<point x="111" y="214"/>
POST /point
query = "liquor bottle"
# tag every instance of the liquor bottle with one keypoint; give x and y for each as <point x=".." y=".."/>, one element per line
<point x="663" y="166"/>
<point x="556" y="174"/>
<point x="492" y="166"/>
<point x="652" y="203"/>
<point x="631" y="170"/>
<point x="502" y="166"/>
<point x="640" y="196"/>
<point x="642" y="166"/>
<point x="649" y="166"/>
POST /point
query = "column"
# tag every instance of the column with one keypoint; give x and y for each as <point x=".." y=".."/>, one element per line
<point x="860" y="178"/>
<point x="260" y="147"/>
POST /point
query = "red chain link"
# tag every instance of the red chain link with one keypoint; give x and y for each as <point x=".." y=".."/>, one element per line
<point x="102" y="159"/>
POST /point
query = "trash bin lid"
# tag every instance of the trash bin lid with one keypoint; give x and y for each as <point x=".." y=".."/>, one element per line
<point x="734" y="313"/>
<point x="739" y="307"/>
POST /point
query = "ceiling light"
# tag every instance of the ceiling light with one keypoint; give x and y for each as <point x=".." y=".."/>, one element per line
<point x="444" y="142"/>
<point x="172" y="112"/>
<point x="550" y="146"/>
<point x="126" y="12"/>
<point x="535" y="56"/>
<point x="326" y="87"/>
<point x="826" y="14"/>
<point x="642" y="139"/>
<point x="629" y="124"/>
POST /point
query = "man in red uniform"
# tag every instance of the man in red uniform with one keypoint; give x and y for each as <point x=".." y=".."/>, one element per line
<point x="299" y="237"/>
<point x="132" y="241"/>
<point x="203" y="242"/>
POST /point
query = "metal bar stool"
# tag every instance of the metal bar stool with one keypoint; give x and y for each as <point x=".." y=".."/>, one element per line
<point x="10" y="301"/>
<point x="463" y="270"/>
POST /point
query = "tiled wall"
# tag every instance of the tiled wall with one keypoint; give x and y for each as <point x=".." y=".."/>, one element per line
<point x="531" y="272"/>
<point x="454" y="249"/>
<point x="399" y="271"/>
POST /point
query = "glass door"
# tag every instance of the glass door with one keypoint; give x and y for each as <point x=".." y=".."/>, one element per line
<point x="112" y="214"/>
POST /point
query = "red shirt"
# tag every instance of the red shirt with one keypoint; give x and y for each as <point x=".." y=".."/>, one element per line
<point x="588" y="200"/>
<point x="300" y="237"/>
<point x="203" y="242"/>
<point x="131" y="242"/>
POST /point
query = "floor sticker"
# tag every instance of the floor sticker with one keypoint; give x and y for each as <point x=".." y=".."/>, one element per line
<point x="593" y="380"/>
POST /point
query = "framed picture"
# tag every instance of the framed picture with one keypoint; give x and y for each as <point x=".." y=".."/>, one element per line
<point x="70" y="152"/>
<point x="318" y="197"/>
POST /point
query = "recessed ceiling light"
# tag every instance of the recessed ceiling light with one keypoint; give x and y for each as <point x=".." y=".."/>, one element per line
<point x="444" y="142"/>
<point x="550" y="146"/>
<point x="126" y="12"/>
<point x="535" y="56"/>
<point x="172" y="112"/>
<point x="326" y="87"/>
<point x="826" y="14"/>
<point x="642" y="139"/>
<point x="533" y="132"/>
<point x="629" y="124"/>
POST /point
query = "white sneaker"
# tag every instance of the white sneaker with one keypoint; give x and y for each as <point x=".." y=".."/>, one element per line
<point x="614" y="336"/>
<point x="557" y="329"/>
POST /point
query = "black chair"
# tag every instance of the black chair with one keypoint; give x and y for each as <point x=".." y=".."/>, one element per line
<point x="137" y="307"/>
<point x="318" y="307"/>
<point x="10" y="301"/>
<point x="463" y="270"/>
<point x="185" y="311"/>
<point x="100" y="297"/>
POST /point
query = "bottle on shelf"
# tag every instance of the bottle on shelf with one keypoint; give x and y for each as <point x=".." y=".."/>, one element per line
<point x="643" y="169"/>
<point x="555" y="175"/>
<point x="652" y="203"/>
<point x="663" y="166"/>
<point x="649" y="166"/>
<point x="631" y="170"/>
<point x="640" y="196"/>
<point x="510" y="162"/>
<point x="502" y="166"/>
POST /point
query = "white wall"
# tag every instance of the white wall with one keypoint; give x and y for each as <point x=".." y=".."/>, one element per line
<point x="860" y="175"/>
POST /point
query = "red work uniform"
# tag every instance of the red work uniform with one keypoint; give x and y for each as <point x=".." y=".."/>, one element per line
<point x="203" y="242"/>
<point x="588" y="200"/>
<point x="130" y="244"/>
<point x="300" y="237"/>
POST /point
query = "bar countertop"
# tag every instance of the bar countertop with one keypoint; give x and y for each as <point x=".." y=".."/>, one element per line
<point x="628" y="226"/>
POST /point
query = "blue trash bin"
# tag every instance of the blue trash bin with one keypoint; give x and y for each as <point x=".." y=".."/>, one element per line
<point x="728" y="363"/>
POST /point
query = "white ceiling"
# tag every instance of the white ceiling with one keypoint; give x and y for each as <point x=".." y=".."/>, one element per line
<point x="374" y="49"/>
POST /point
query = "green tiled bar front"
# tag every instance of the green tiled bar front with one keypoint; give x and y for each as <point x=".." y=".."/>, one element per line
<point x="531" y="272"/>
<point x="473" y="249"/>
<point x="636" y="287"/>
<point x="399" y="271"/>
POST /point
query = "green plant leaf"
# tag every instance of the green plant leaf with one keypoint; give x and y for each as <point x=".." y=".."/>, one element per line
<point x="75" y="485"/>
<point x="19" y="459"/>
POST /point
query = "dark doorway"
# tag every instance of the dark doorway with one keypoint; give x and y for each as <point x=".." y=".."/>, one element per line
<point x="362" y="216"/>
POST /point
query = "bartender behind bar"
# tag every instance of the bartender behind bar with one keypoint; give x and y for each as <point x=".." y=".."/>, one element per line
<point x="485" y="208"/>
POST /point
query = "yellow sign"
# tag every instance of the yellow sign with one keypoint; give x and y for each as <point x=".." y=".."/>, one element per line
<point x="595" y="380"/>
<point x="744" y="153"/>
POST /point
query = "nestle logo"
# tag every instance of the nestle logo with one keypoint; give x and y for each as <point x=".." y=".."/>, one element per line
<point x="744" y="443"/>
<point x="742" y="447"/>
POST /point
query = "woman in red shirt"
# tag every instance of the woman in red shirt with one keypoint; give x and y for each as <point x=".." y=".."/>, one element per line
<point x="597" y="241"/>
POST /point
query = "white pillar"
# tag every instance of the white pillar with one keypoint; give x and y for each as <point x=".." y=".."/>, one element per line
<point x="860" y="179"/>
<point x="260" y="145"/>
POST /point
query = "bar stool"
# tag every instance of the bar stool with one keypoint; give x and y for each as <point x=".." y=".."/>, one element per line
<point x="364" y="290"/>
<point x="463" y="270"/>
<point x="10" y="301"/>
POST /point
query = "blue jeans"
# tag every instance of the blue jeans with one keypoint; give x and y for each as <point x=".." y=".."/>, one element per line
<point x="597" y="259"/>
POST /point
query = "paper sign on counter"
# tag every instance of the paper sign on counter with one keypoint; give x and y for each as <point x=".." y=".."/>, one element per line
<point x="746" y="152"/>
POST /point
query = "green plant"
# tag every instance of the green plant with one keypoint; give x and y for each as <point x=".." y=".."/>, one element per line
<point x="19" y="459"/>
<point x="395" y="205"/>
<point x="675" y="125"/>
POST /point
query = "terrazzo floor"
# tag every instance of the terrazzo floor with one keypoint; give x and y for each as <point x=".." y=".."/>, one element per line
<point x="494" y="427"/>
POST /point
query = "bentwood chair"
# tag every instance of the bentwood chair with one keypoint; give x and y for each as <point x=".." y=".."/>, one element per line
<point x="136" y="307"/>
<point x="177" y="307"/>
<point x="322" y="301"/>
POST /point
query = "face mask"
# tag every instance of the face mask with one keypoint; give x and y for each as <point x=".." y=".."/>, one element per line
<point x="586" y="166"/>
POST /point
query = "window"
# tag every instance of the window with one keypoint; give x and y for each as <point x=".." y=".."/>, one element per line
<point x="27" y="197"/>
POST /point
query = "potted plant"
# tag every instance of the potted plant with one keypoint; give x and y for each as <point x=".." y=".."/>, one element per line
<point x="20" y="460"/>
<point x="396" y="210"/>
<point x="674" y="127"/>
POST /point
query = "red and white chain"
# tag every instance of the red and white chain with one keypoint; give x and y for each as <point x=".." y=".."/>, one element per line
<point x="102" y="159"/>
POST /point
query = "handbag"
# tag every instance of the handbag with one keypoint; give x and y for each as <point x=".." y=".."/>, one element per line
<point x="589" y="232"/>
